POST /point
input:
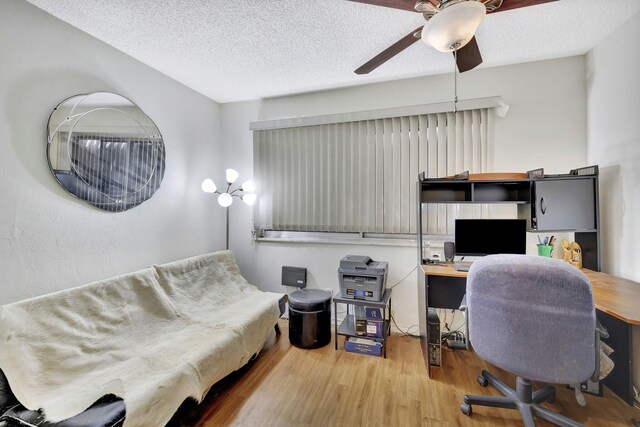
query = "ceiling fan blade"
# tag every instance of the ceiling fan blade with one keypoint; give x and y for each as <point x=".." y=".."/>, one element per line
<point x="389" y="52"/>
<point x="396" y="4"/>
<point x="468" y="57"/>
<point x="516" y="4"/>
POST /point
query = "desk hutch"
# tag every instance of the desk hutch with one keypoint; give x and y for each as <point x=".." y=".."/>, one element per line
<point x="548" y="204"/>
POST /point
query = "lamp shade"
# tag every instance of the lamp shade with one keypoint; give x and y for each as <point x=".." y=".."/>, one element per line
<point x="231" y="175"/>
<point x="225" y="200"/>
<point x="248" y="186"/>
<point x="249" y="199"/>
<point x="208" y="186"/>
<point x="453" y="27"/>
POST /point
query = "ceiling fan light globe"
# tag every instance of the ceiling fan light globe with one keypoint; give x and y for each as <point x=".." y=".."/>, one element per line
<point x="454" y="26"/>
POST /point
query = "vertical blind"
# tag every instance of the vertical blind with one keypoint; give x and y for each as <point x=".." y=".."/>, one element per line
<point x="361" y="176"/>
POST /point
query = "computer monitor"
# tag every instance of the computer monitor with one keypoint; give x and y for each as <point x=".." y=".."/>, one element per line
<point x="478" y="237"/>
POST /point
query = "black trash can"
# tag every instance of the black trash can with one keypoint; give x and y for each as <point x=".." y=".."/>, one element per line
<point x="310" y="318"/>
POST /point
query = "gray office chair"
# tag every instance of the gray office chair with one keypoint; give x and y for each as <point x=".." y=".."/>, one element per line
<point x="534" y="317"/>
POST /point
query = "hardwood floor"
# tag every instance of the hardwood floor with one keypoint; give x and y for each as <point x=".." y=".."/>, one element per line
<point x="288" y="386"/>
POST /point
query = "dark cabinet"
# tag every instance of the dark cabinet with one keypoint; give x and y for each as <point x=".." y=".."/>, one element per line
<point x="561" y="204"/>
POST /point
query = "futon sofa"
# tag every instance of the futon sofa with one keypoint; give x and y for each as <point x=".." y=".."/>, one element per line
<point x="130" y="350"/>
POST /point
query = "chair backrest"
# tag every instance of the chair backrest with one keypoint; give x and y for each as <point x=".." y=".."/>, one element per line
<point x="532" y="316"/>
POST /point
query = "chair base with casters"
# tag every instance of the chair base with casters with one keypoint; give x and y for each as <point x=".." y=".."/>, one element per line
<point x="522" y="398"/>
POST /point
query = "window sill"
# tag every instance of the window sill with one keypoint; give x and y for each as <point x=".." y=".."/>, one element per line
<point x="365" y="241"/>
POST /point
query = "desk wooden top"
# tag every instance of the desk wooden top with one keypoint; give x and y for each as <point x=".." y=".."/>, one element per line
<point x="442" y="270"/>
<point x="616" y="296"/>
<point x="613" y="295"/>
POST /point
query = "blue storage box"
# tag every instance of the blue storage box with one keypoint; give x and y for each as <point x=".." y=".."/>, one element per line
<point x="363" y="346"/>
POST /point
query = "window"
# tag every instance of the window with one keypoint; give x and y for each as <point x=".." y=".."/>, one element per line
<point x="360" y="176"/>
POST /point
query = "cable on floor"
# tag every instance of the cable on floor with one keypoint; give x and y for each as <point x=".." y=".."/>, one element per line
<point x="405" y="333"/>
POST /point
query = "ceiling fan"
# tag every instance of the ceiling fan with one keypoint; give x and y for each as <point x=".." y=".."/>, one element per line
<point x="450" y="27"/>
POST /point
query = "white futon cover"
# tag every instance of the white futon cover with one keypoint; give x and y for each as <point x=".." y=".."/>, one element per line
<point x="153" y="338"/>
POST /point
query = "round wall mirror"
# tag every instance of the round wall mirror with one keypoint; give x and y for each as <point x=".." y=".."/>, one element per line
<point x="105" y="150"/>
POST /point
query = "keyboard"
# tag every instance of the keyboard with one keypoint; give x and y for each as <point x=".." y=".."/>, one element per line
<point x="462" y="267"/>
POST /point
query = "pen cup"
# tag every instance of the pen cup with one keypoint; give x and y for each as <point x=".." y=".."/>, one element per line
<point x="545" y="250"/>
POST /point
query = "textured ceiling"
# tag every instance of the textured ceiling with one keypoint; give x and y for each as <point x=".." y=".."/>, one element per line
<point x="248" y="49"/>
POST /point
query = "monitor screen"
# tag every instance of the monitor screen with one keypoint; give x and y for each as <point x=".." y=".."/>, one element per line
<point x="490" y="236"/>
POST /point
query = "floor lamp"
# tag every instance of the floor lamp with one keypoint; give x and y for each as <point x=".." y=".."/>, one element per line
<point x="246" y="192"/>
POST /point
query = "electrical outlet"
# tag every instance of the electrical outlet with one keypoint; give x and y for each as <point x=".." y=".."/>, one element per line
<point x="433" y="249"/>
<point x="436" y="254"/>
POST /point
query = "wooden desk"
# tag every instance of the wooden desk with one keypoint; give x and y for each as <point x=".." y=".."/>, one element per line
<point x="615" y="296"/>
<point x="616" y="301"/>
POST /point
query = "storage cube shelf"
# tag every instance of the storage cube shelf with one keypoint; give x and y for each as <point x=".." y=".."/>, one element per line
<point x="452" y="191"/>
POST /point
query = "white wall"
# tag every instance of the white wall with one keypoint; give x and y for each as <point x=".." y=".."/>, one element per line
<point x="545" y="127"/>
<point x="613" y="107"/>
<point x="48" y="239"/>
<point x="613" y="135"/>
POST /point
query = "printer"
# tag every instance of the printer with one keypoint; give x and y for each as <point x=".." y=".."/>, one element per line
<point x="362" y="278"/>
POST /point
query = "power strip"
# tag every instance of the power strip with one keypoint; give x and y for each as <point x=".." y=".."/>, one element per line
<point x="455" y="343"/>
